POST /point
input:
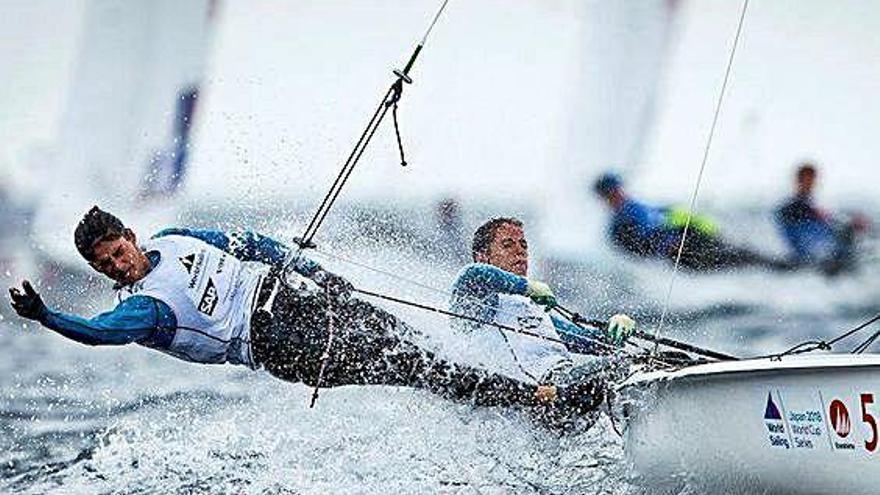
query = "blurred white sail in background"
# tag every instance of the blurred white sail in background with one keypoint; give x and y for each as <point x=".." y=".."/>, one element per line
<point x="127" y="114"/>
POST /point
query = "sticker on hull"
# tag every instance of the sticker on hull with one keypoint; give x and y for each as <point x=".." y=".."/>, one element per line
<point x="816" y="421"/>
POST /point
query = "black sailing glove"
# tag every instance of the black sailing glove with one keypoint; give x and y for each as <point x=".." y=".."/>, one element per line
<point x="335" y="285"/>
<point x="27" y="304"/>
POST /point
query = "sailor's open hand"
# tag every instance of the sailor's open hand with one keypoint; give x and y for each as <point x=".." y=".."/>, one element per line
<point x="579" y="397"/>
<point x="546" y="394"/>
<point x="27" y="303"/>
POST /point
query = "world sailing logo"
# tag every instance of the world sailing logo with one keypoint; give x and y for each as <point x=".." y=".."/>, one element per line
<point x="771" y="411"/>
<point x="839" y="418"/>
<point x="775" y="426"/>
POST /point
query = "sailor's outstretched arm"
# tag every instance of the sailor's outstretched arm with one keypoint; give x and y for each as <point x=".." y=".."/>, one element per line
<point x="478" y="282"/>
<point x="135" y="319"/>
<point x="582" y="340"/>
<point x="248" y="246"/>
<point x="481" y="279"/>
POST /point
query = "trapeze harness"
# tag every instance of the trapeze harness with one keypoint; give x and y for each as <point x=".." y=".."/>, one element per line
<point x="530" y="355"/>
<point x="212" y="295"/>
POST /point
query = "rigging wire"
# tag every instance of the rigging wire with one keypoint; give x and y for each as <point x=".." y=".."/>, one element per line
<point x="471" y="299"/>
<point x="389" y="100"/>
<point x="658" y="333"/>
<point x="815" y="345"/>
<point x="475" y="301"/>
<point x="479" y="302"/>
<point x="494" y="324"/>
<point x="864" y="346"/>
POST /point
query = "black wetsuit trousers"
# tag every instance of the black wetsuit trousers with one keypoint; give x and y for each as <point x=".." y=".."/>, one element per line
<point x="705" y="253"/>
<point x="369" y="347"/>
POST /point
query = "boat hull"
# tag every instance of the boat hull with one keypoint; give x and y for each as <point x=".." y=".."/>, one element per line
<point x="799" y="425"/>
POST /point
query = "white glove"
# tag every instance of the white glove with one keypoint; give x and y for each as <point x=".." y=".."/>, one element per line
<point x="620" y="327"/>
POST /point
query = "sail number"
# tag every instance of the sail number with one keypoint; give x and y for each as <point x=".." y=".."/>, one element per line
<point x="871" y="443"/>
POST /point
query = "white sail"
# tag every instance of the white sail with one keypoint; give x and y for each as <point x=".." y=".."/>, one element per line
<point x="487" y="116"/>
<point x="133" y="62"/>
<point x="802" y="86"/>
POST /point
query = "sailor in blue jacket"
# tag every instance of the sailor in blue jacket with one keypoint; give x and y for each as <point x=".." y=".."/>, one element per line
<point x="813" y="236"/>
<point x="496" y="293"/>
<point x="647" y="231"/>
<point x="208" y="297"/>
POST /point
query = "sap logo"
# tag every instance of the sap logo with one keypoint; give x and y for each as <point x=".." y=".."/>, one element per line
<point x="209" y="299"/>
<point x="839" y="418"/>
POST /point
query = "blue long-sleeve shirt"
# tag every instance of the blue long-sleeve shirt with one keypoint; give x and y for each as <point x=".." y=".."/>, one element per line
<point x="809" y="235"/>
<point x="641" y="229"/>
<point x="146" y="319"/>
<point x="475" y="293"/>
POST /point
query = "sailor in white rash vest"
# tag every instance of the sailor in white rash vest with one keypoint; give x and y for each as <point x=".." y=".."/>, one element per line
<point x="212" y="298"/>
<point x="495" y="289"/>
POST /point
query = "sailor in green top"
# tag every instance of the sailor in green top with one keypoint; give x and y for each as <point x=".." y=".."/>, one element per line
<point x="648" y="231"/>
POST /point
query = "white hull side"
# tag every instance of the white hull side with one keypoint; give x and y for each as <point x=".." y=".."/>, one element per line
<point x="715" y="428"/>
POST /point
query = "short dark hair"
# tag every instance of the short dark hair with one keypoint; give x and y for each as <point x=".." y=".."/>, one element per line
<point x="804" y="169"/>
<point x="96" y="225"/>
<point x="607" y="183"/>
<point x="485" y="234"/>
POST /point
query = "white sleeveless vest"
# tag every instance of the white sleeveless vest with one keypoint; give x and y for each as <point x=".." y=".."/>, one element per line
<point x="534" y="356"/>
<point x="212" y="295"/>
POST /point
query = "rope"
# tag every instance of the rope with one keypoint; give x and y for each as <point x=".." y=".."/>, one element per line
<point x="499" y="326"/>
<point x="478" y="302"/>
<point x="325" y="357"/>
<point x="854" y="330"/>
<point x="577" y="319"/>
<point x="864" y="346"/>
<point x="705" y="159"/>
<point x="814" y="345"/>
<point x="481" y="321"/>
<point x="389" y="100"/>
<point x="471" y="299"/>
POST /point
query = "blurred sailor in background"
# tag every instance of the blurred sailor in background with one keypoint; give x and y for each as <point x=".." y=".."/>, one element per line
<point x="813" y="236"/>
<point x="649" y="231"/>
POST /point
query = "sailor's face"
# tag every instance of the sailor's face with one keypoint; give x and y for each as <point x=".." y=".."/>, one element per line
<point x="805" y="183"/>
<point x="120" y="259"/>
<point x="509" y="250"/>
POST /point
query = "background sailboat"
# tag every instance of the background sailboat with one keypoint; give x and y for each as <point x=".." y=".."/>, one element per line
<point x="123" y="135"/>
